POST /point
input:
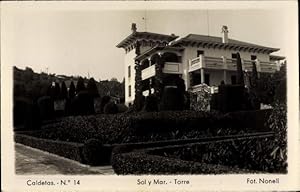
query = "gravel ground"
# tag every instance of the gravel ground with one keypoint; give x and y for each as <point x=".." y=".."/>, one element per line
<point x="34" y="161"/>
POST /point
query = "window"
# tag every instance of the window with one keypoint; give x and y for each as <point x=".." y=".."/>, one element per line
<point x="129" y="71"/>
<point x="253" y="57"/>
<point x="233" y="55"/>
<point x="129" y="91"/>
<point x="206" y="79"/>
<point x="200" y="52"/>
<point x="233" y="79"/>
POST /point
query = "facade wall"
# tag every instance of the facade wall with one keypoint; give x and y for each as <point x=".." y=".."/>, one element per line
<point x="192" y="53"/>
<point x="129" y="81"/>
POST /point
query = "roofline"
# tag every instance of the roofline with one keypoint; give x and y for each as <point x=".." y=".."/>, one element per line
<point x="134" y="35"/>
<point x="186" y="41"/>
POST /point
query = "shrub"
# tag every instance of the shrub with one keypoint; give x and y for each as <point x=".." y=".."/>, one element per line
<point x="172" y="99"/>
<point x="46" y="106"/>
<point x="20" y="110"/>
<point x="83" y="104"/>
<point x="200" y="100"/>
<point x="143" y="163"/>
<point x="122" y="108"/>
<point x="72" y="90"/>
<point x="151" y="103"/>
<point x="104" y="101"/>
<point x="65" y="149"/>
<point x="80" y="85"/>
<point x="93" y="152"/>
<point x="110" y="108"/>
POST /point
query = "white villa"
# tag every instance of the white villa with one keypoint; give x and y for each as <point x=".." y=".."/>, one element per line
<point x="197" y="59"/>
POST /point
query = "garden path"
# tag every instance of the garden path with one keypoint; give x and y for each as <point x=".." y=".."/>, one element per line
<point x="33" y="161"/>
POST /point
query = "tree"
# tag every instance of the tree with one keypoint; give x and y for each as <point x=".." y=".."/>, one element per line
<point x="72" y="90"/>
<point x="80" y="85"/>
<point x="56" y="91"/>
<point x="92" y="88"/>
<point x="254" y="75"/>
<point x="240" y="75"/>
<point x="64" y="91"/>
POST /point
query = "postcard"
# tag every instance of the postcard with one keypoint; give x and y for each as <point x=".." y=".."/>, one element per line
<point x="149" y="96"/>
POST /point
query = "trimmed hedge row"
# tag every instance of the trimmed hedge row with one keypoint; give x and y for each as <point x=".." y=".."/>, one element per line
<point x="153" y="126"/>
<point x="65" y="149"/>
<point x="253" y="154"/>
<point x="202" y="158"/>
<point x="142" y="163"/>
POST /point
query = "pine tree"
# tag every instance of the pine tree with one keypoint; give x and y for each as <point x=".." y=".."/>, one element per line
<point x="64" y="91"/>
<point x="56" y="91"/>
<point x="80" y="85"/>
<point x="72" y="90"/>
<point x="92" y="88"/>
<point x="240" y="74"/>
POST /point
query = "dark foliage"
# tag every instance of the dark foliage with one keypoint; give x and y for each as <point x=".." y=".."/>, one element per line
<point x="231" y="98"/>
<point x="110" y="108"/>
<point x="20" y="109"/>
<point x="72" y="90"/>
<point x="122" y="108"/>
<point x="66" y="149"/>
<point x="93" y="152"/>
<point x="82" y="104"/>
<point x="92" y="88"/>
<point x="64" y="91"/>
<point x="80" y="85"/>
<point x="154" y="126"/>
<point x="46" y="107"/>
<point x="57" y="90"/>
<point x="172" y="99"/>
<point x="151" y="104"/>
<point x="142" y="163"/>
<point x="239" y="70"/>
<point x="104" y="100"/>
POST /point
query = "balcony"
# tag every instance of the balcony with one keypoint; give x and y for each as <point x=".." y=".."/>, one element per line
<point x="148" y="72"/>
<point x="169" y="68"/>
<point x="172" y="68"/>
<point x="222" y="63"/>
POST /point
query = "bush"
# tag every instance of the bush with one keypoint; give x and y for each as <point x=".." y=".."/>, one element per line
<point x="200" y="100"/>
<point x="151" y="104"/>
<point x="142" y="163"/>
<point x="230" y="98"/>
<point x="20" y="110"/>
<point x="66" y="149"/>
<point x="110" y="108"/>
<point x="46" y="106"/>
<point x="94" y="153"/>
<point x="83" y="104"/>
<point x="122" y="108"/>
<point x="172" y="99"/>
<point x="104" y="101"/>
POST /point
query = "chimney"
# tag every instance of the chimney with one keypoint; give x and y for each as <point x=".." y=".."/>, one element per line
<point x="225" y="34"/>
<point x="133" y="27"/>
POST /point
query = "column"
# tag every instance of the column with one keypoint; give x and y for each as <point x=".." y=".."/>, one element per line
<point x="202" y="75"/>
<point x="225" y="67"/>
<point x="258" y="67"/>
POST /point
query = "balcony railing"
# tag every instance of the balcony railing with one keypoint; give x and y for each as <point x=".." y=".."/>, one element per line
<point x="148" y="72"/>
<point x="229" y="64"/>
<point x="172" y="68"/>
<point x="169" y="68"/>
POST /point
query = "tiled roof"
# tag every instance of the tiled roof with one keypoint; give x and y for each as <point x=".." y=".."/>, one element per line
<point x="194" y="38"/>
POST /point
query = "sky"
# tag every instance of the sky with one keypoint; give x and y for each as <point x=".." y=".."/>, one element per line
<point x="82" y="42"/>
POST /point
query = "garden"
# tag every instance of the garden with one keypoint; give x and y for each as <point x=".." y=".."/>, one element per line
<point x="162" y="133"/>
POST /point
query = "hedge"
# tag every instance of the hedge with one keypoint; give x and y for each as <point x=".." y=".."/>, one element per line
<point x="153" y="126"/>
<point x="143" y="163"/>
<point x="241" y="156"/>
<point x="69" y="150"/>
